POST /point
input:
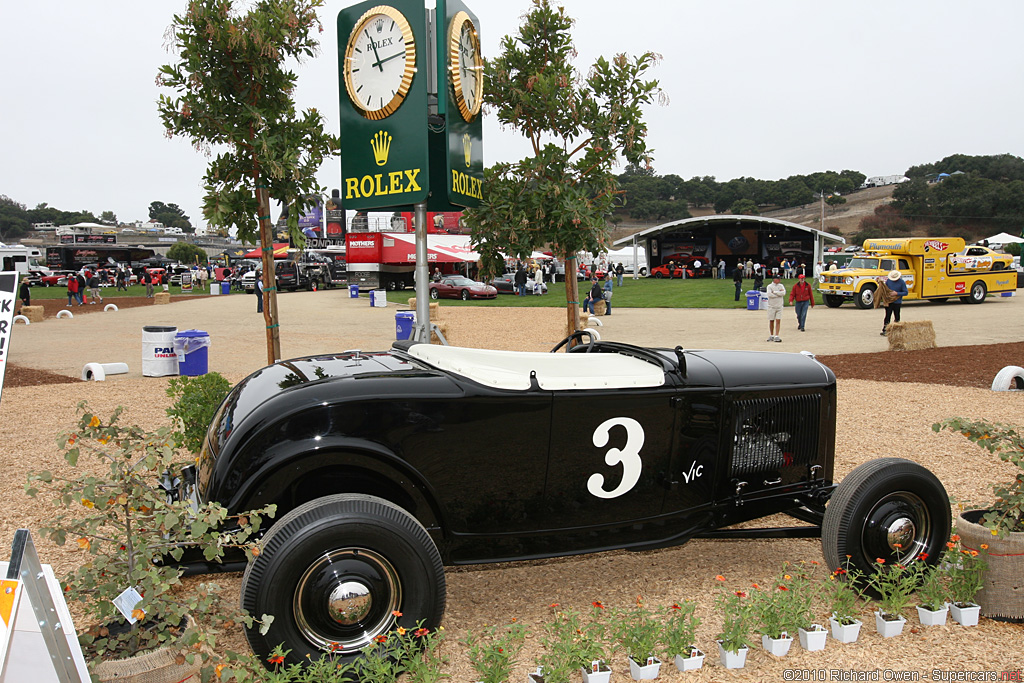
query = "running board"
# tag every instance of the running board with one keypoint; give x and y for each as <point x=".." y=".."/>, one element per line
<point x="765" y="532"/>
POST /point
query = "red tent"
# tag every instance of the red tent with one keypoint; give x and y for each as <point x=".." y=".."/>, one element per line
<point x="280" y="251"/>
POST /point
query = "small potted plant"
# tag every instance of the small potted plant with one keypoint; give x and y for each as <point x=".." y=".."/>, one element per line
<point x="570" y="643"/>
<point x="894" y="583"/>
<point x="965" y="569"/>
<point x="932" y="607"/>
<point x="678" y="636"/>
<point x="737" y="622"/>
<point x="843" y="600"/>
<point x="638" y="632"/>
<point x="493" y="653"/>
<point x="1000" y="524"/>
<point x="121" y="520"/>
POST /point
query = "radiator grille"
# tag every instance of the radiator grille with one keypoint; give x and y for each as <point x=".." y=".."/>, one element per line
<point x="772" y="433"/>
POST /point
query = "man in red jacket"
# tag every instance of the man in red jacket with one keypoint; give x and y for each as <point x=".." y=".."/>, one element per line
<point x="801" y="297"/>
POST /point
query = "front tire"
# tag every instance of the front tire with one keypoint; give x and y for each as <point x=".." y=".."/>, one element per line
<point x="658" y="275"/>
<point x="865" y="298"/>
<point x="334" y="571"/>
<point x="465" y="295"/>
<point x="833" y="300"/>
<point x="881" y="503"/>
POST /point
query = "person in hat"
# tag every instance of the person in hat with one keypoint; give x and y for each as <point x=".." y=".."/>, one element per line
<point x="801" y="297"/>
<point x="776" y="301"/>
<point x="896" y="290"/>
<point x="25" y="293"/>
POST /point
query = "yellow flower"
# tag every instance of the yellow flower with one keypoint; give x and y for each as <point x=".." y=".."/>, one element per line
<point x="84" y="543"/>
<point x="88" y="503"/>
<point x="995" y="532"/>
<point x="984" y="546"/>
<point x="401" y="631"/>
<point x="219" y="668"/>
<point x="94" y="422"/>
<point x="104" y="440"/>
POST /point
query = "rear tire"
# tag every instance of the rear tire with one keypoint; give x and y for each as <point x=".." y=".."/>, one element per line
<point x="978" y="293"/>
<point x="433" y="293"/>
<point x="879" y="504"/>
<point x="333" y="572"/>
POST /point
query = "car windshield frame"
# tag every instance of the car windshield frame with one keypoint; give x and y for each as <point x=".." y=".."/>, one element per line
<point x="460" y="281"/>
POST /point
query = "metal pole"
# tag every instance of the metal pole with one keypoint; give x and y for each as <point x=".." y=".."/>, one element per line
<point x="421" y="331"/>
<point x="636" y="262"/>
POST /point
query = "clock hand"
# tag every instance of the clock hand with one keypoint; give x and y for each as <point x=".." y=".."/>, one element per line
<point x="380" y="62"/>
<point x="374" y="50"/>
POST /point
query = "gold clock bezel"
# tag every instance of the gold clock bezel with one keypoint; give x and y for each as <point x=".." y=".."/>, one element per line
<point x="460" y="19"/>
<point x="389" y="108"/>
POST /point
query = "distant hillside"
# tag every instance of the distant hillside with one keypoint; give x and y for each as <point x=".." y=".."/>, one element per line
<point x="844" y="220"/>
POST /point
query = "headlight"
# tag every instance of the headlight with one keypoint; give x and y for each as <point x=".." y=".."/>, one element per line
<point x="848" y="281"/>
<point x="822" y="279"/>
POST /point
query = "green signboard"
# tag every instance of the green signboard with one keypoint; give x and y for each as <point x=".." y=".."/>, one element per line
<point x="382" y="64"/>
<point x="460" y="74"/>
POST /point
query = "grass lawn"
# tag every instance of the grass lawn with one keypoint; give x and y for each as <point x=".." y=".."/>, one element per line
<point x="642" y="293"/>
<point x="61" y="292"/>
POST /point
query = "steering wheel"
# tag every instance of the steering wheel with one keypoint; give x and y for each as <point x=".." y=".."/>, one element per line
<point x="578" y="334"/>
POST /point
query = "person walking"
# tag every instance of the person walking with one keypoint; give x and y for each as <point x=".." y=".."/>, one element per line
<point x="620" y="272"/>
<point x="82" y="283"/>
<point x="520" y="280"/>
<point x="121" y="279"/>
<point x="776" y="301"/>
<point x="801" y="297"/>
<point x="607" y="294"/>
<point x="25" y="293"/>
<point x="748" y="269"/>
<point x="94" y="288"/>
<point x="891" y="291"/>
<point x="258" y="289"/>
<point x="72" y="289"/>
<point x="538" y="280"/>
<point x="721" y="269"/>
<point x="737" y="279"/>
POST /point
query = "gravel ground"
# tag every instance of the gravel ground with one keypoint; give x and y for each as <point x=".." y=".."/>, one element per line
<point x="876" y="418"/>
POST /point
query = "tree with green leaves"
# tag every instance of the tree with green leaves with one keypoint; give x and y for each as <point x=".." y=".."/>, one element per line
<point x="561" y="196"/>
<point x="171" y="215"/>
<point x="233" y="93"/>
<point x="184" y="252"/>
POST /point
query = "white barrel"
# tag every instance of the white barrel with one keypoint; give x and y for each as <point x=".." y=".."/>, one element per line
<point x="158" y="357"/>
<point x="214" y="288"/>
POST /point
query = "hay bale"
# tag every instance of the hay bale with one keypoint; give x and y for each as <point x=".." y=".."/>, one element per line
<point x="600" y="307"/>
<point x="443" y="327"/>
<point x="162" y="298"/>
<point x="911" y="336"/>
<point x="433" y="306"/>
<point x="33" y="313"/>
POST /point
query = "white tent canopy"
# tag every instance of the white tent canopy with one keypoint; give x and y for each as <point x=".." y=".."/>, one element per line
<point x="1004" y="238"/>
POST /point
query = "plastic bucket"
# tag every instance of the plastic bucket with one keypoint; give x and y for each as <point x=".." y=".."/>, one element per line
<point x="763" y="306"/>
<point x="378" y="298"/>
<point x="225" y="287"/>
<point x="191" y="348"/>
<point x="158" y="357"/>
<point x="753" y="300"/>
<point x="214" y="289"/>
<point x="404" y="321"/>
<point x="353" y="291"/>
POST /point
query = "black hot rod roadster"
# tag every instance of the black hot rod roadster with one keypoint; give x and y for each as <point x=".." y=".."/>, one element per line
<point x="387" y="466"/>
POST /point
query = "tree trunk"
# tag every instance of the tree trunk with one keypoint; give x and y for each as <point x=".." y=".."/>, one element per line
<point x="572" y="296"/>
<point x="269" y="278"/>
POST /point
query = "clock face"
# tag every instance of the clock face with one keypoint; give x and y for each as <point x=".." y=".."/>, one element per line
<point x="465" y="65"/>
<point x="380" y="62"/>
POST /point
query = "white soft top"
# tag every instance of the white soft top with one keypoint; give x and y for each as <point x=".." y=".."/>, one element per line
<point x="555" y="371"/>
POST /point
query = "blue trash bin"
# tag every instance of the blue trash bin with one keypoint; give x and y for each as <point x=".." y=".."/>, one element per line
<point x="191" y="347"/>
<point x="404" y="321"/>
<point x="753" y="300"/>
<point x="225" y="286"/>
<point x="353" y="291"/>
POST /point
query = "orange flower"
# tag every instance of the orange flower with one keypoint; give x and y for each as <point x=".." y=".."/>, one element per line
<point x="255" y="551"/>
<point x="955" y="538"/>
<point x="814" y="562"/>
<point x="787" y="577"/>
<point x="395" y="613"/>
<point x="72" y="439"/>
<point x="380" y="639"/>
<point x="104" y="440"/>
<point x="755" y="586"/>
<point x="950" y="545"/>
<point x="401" y="631"/>
<point x="879" y="560"/>
<point x="138" y="614"/>
<point x="276" y="659"/>
<point x="598" y="604"/>
<point x="336" y="647"/>
<point x="719" y="578"/>
<point x="420" y="632"/>
<point x="94" y="422"/>
<point x="84" y="543"/>
<point x="897" y="545"/>
<point x="675" y="605"/>
<point x="984" y="546"/>
<point x="974" y="553"/>
<point x="88" y="503"/>
<point x="741" y="594"/>
<point x="217" y="669"/>
<point x="923" y="556"/>
<point x="782" y="588"/>
<point x="554" y="605"/>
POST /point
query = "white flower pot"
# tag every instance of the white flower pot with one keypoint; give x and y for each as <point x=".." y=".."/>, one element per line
<point x="599" y="672"/>
<point x="691" y="663"/>
<point x="777" y="646"/>
<point x="536" y="676"/>
<point x="965" y="615"/>
<point x="644" y="672"/>
<point x="732" y="659"/>
<point x="813" y="638"/>
<point x="845" y="633"/>
<point x="888" y="629"/>
<point x="928" y="617"/>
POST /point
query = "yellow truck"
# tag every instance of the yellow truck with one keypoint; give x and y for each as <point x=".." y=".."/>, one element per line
<point x="934" y="268"/>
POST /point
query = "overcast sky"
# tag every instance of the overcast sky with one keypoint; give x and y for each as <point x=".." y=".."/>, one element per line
<point x="757" y="88"/>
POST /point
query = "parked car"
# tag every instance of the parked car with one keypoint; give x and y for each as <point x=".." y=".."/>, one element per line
<point x="506" y="284"/>
<point x="386" y="466"/>
<point x="57" y="278"/>
<point x="460" y="287"/>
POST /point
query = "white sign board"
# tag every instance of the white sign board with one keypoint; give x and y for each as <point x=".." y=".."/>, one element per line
<point x="8" y="293"/>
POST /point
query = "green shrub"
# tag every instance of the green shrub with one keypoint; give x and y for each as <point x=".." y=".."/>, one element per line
<point x="196" y="400"/>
